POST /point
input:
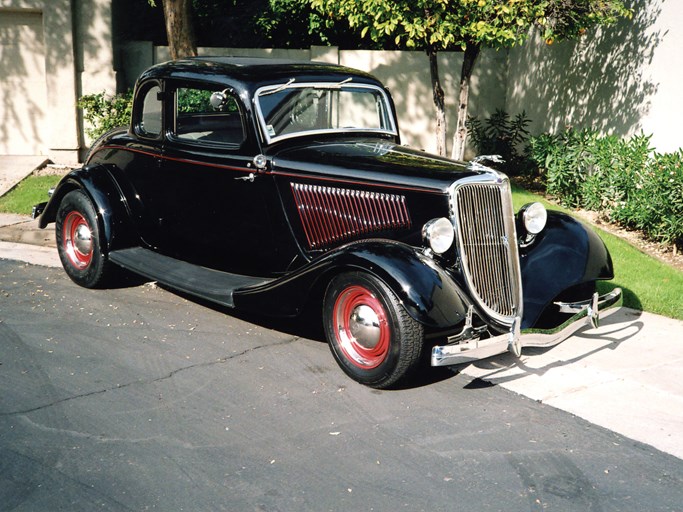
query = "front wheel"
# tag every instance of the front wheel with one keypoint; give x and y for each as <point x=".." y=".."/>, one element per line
<point x="371" y="335"/>
<point x="78" y="241"/>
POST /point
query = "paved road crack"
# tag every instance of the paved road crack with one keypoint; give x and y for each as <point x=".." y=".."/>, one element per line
<point x="145" y="382"/>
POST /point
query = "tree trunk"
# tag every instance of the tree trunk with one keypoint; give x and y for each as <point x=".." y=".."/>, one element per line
<point x="439" y="103"/>
<point x="179" y="28"/>
<point x="460" y="136"/>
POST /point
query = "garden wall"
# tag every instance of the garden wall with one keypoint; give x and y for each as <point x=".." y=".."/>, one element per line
<point x="620" y="80"/>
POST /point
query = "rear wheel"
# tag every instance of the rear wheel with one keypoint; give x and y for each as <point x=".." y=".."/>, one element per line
<point x="78" y="241"/>
<point x="371" y="336"/>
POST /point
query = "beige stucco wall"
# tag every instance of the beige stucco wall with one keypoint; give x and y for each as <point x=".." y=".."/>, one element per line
<point x="23" y="93"/>
<point x="620" y="79"/>
<point x="76" y="56"/>
<point x="94" y="49"/>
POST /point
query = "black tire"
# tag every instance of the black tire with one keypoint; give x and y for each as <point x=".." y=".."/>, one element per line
<point x="385" y="348"/>
<point x="78" y="241"/>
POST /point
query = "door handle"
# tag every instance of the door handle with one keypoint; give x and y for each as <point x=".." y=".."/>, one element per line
<point x="250" y="177"/>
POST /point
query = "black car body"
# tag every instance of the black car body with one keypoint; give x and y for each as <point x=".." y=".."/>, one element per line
<point x="263" y="185"/>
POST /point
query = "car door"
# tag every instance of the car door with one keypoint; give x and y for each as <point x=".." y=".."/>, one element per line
<point x="137" y="166"/>
<point x="218" y="211"/>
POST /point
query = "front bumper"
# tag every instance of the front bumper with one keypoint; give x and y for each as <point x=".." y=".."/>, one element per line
<point x="469" y="349"/>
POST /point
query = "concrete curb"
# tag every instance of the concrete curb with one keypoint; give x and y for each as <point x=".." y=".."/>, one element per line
<point x="32" y="254"/>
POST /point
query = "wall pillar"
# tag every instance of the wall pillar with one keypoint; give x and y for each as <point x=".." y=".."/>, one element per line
<point x="62" y="118"/>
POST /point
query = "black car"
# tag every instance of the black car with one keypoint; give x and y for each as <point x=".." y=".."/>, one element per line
<point x="270" y="185"/>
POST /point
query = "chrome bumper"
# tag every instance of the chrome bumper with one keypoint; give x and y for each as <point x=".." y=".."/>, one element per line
<point x="471" y="348"/>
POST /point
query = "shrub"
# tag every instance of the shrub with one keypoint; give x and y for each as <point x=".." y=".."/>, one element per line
<point x="620" y="178"/>
<point x="615" y="167"/>
<point x="655" y="205"/>
<point x="565" y="160"/>
<point x="102" y="112"/>
<point x="501" y="135"/>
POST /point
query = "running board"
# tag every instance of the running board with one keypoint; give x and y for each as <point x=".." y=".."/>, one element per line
<point x="212" y="285"/>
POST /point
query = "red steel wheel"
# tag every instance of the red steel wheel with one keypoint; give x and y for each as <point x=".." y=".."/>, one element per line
<point x="361" y="327"/>
<point x="78" y="241"/>
<point x="371" y="335"/>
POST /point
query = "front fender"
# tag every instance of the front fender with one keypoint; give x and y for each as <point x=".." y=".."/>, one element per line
<point x="98" y="184"/>
<point x="566" y="254"/>
<point x="429" y="294"/>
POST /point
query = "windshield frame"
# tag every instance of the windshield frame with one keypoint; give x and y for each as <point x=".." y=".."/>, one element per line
<point x="346" y="84"/>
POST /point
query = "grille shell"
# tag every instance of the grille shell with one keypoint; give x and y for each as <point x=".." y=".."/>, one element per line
<point x="487" y="245"/>
<point x="332" y="215"/>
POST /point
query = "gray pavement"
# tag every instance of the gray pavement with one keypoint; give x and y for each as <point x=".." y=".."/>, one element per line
<point x="136" y="398"/>
<point x="623" y="376"/>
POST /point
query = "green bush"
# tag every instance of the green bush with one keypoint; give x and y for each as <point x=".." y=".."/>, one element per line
<point x="562" y="159"/>
<point x="622" y="178"/>
<point x="501" y="135"/>
<point x="655" y="204"/>
<point x="616" y="165"/>
<point x="102" y="112"/>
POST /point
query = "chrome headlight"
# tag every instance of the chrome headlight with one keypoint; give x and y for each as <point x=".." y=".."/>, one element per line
<point x="438" y="234"/>
<point x="534" y="217"/>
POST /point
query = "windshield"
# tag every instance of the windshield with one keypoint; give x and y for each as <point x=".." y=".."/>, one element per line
<point x="289" y="110"/>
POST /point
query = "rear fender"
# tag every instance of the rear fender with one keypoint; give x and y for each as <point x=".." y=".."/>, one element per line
<point x="429" y="294"/>
<point x="97" y="183"/>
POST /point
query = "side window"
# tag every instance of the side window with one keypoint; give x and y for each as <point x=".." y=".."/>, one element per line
<point x="150" y="121"/>
<point x="208" y="115"/>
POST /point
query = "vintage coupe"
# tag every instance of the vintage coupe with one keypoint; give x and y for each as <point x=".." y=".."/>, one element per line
<point x="264" y="185"/>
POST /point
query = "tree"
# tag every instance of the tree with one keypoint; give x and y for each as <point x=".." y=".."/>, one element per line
<point x="467" y="25"/>
<point x="179" y="27"/>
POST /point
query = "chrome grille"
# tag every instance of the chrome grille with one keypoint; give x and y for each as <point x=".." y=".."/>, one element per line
<point x="488" y="246"/>
<point x="331" y="215"/>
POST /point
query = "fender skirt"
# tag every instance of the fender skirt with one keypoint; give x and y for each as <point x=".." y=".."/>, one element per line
<point x="565" y="254"/>
<point x="428" y="292"/>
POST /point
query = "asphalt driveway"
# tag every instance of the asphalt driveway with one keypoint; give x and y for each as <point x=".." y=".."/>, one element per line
<point x="138" y="399"/>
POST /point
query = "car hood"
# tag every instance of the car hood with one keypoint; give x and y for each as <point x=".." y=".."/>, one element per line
<point x="370" y="161"/>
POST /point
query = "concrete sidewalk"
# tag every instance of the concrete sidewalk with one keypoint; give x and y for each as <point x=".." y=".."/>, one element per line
<point x="624" y="376"/>
<point x="21" y="239"/>
<point x="13" y="169"/>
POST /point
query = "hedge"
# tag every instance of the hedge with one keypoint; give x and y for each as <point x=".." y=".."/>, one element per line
<point x="622" y="178"/>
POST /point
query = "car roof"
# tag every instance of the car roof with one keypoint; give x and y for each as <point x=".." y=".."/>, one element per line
<point x="253" y="72"/>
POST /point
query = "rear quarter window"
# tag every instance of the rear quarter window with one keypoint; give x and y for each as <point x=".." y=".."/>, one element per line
<point x="150" y="122"/>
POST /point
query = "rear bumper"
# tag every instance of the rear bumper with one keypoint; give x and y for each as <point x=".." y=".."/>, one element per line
<point x="585" y="313"/>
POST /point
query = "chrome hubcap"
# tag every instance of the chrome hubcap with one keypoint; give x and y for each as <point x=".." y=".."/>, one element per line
<point x="364" y="326"/>
<point x="361" y="327"/>
<point x="77" y="240"/>
<point x="83" y="239"/>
